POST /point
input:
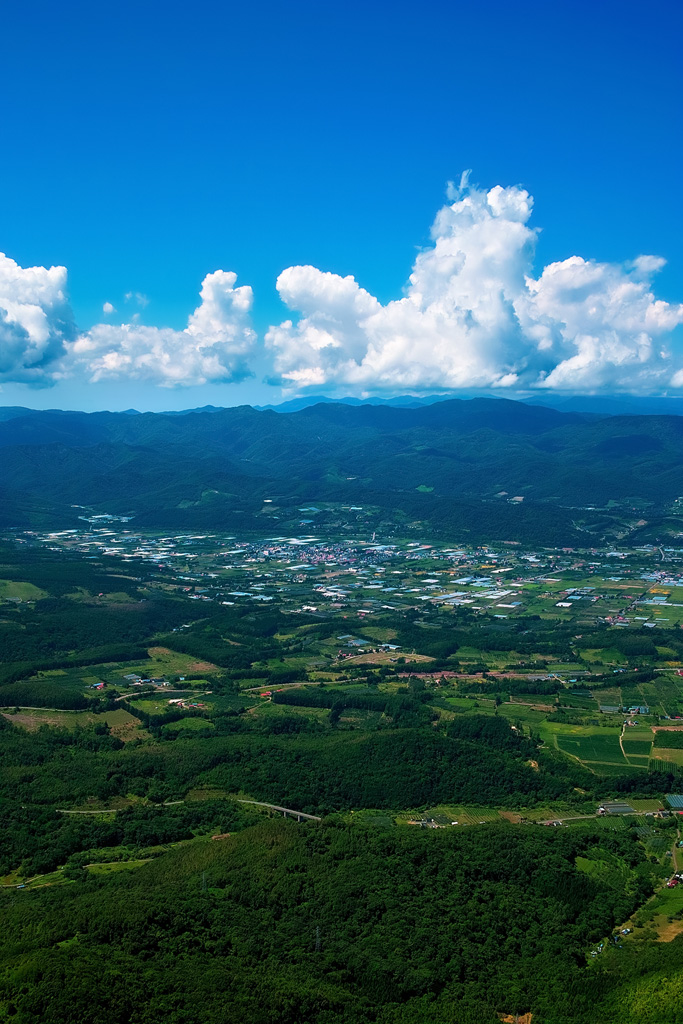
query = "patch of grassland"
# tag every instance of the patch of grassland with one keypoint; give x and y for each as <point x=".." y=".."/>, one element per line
<point x="109" y="867"/>
<point x="192" y="724"/>
<point x="520" y="713"/>
<point x="266" y="709"/>
<point x="383" y="634"/>
<point x="199" y="795"/>
<point x="15" y="590"/>
<point x="667" y="754"/>
<point x="121" y="722"/>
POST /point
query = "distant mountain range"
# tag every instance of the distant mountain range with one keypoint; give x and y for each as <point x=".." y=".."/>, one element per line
<point x="400" y="402"/>
<point x="447" y="463"/>
<point x="600" y="405"/>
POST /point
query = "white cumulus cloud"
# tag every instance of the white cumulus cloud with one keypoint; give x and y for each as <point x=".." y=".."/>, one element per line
<point x="212" y="348"/>
<point x="40" y="343"/>
<point x="35" y="320"/>
<point x="474" y="315"/>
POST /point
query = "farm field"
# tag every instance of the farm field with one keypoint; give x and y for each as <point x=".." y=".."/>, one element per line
<point x="121" y="722"/>
<point x="266" y="709"/>
<point x="231" y="701"/>
<point x="592" y="750"/>
<point x="591" y="745"/>
<point x="519" y="713"/>
<point x="582" y="701"/>
<point x="660" y="918"/>
<point x="161" y="662"/>
<point x="639" y="760"/>
<point x="447" y="814"/>
<point x="638" y="747"/>
<point x="672" y="755"/>
<point x="605" y="868"/>
<point x="161" y="704"/>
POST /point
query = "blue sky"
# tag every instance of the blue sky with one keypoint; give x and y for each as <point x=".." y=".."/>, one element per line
<point x="148" y="145"/>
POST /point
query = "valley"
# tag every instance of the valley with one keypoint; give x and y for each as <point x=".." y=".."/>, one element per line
<point x="339" y="758"/>
<point x="160" y="690"/>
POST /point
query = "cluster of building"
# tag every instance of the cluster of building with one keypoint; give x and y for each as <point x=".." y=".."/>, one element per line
<point x="310" y="574"/>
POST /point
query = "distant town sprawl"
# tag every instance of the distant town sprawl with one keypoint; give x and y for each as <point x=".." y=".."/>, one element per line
<point x="641" y="587"/>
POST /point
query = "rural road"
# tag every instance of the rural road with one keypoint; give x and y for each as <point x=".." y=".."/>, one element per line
<point x="299" y="815"/>
<point x="284" y="810"/>
<point x="113" y="810"/>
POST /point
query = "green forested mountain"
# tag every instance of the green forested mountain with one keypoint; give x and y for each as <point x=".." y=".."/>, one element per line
<point x="451" y="462"/>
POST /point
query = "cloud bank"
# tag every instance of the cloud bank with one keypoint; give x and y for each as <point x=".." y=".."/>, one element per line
<point x="474" y="315"/>
<point x="214" y="347"/>
<point x="35" y="321"/>
<point x="40" y="344"/>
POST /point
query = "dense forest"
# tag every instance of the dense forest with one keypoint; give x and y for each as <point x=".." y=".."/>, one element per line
<point x="297" y="923"/>
<point x="477" y="760"/>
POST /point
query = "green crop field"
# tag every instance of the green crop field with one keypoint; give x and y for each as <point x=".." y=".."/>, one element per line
<point x="266" y="709"/>
<point x="603" y="768"/>
<point x="603" y="656"/>
<point x="637" y="747"/>
<point x="639" y="732"/>
<point x="232" y="701"/>
<point x="592" y="747"/>
<point x="646" y="805"/>
<point x="584" y="703"/>
<point x="656" y="764"/>
<point x="459" y="702"/>
<point x="666" y="901"/>
<point x="609" y="696"/>
<point x="161" y="662"/>
<point x="520" y="713"/>
<point x="152" y="707"/>
<point x="587" y="743"/>
<point x="446" y="814"/>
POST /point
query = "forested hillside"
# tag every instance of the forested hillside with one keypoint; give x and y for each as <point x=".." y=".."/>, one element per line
<point x="451" y="464"/>
<point x="295" y="924"/>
